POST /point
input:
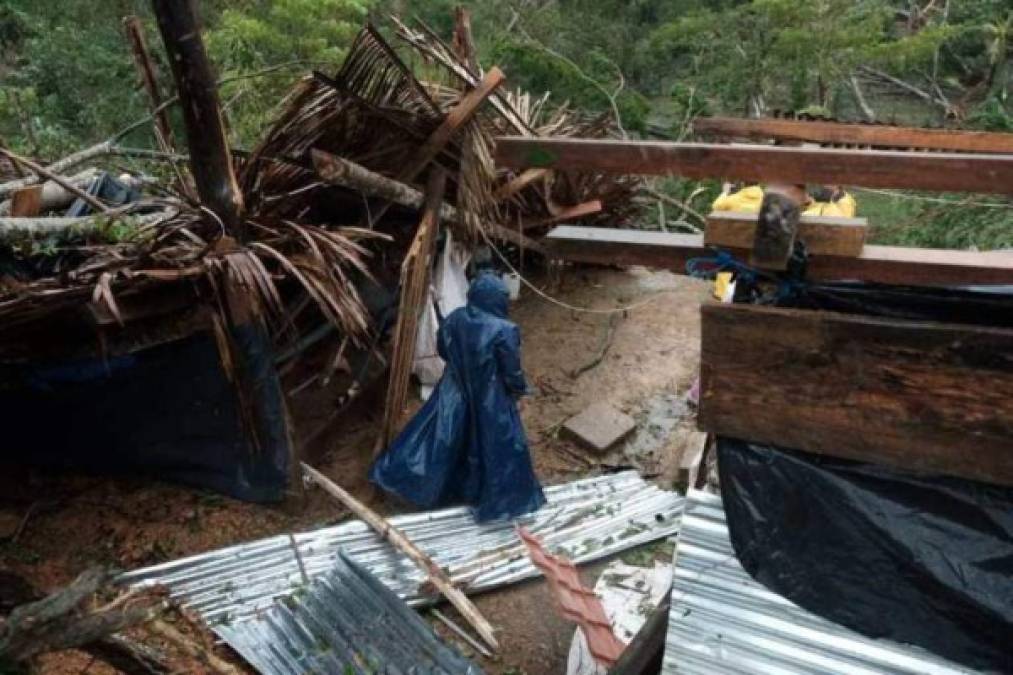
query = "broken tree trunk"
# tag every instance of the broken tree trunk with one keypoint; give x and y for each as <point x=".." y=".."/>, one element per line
<point x="120" y="652"/>
<point x="414" y="291"/>
<point x="82" y="225"/>
<point x="149" y="79"/>
<point x="344" y="173"/>
<point x="402" y="543"/>
<point x="210" y="158"/>
<point x="64" y="620"/>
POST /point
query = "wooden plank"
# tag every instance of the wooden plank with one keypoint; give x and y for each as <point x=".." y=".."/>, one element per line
<point x="415" y="272"/>
<point x="402" y="543"/>
<point x="883" y="264"/>
<point x="455" y="119"/>
<point x="822" y="235"/>
<point x="881" y="136"/>
<point x="922" y="396"/>
<point x="458" y="116"/>
<point x="570" y="213"/>
<point x="26" y="202"/>
<point x="948" y="172"/>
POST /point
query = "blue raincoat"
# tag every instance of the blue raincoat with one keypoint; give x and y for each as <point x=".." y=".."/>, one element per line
<point x="467" y="443"/>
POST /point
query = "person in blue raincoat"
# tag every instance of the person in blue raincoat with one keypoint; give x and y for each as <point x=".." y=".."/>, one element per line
<point x="467" y="443"/>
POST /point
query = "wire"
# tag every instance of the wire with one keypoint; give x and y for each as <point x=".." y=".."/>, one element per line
<point x="565" y="305"/>
<point x="934" y="200"/>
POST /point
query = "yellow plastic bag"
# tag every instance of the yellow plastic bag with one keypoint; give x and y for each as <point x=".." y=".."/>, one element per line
<point x="845" y="207"/>
<point x="747" y="200"/>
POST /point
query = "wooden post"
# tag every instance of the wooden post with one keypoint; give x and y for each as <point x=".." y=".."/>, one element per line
<point x="402" y="543"/>
<point x="414" y="286"/>
<point x="149" y="79"/>
<point x="210" y="160"/>
<point x="777" y="226"/>
<point x="464" y="43"/>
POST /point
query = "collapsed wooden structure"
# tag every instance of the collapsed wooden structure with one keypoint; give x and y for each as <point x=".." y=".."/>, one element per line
<point x="925" y="396"/>
<point x="296" y="245"/>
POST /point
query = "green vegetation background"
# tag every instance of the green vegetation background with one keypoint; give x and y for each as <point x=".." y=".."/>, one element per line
<point x="67" y="81"/>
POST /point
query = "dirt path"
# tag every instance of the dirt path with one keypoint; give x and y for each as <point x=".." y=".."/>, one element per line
<point x="75" y="522"/>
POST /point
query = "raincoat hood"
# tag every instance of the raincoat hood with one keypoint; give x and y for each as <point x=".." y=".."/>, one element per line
<point x="489" y="294"/>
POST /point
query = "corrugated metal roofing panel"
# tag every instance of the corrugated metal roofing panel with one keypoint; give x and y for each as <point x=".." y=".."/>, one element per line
<point x="584" y="520"/>
<point x="345" y="622"/>
<point x="723" y="621"/>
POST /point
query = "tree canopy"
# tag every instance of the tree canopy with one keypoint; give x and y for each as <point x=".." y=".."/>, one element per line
<point x="67" y="79"/>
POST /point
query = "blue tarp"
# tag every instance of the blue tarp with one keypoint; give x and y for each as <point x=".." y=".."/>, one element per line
<point x="467" y="443"/>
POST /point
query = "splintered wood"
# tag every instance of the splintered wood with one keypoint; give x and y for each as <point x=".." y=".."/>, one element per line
<point x="414" y="288"/>
<point x="402" y="543"/>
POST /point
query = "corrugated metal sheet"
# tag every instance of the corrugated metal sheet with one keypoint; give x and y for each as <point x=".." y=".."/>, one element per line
<point x="584" y="520"/>
<point x="722" y="621"/>
<point x="345" y="622"/>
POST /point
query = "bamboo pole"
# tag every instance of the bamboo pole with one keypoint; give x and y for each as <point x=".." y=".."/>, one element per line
<point x="402" y="543"/>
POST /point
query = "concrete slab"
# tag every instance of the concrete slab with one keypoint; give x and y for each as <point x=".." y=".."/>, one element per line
<point x="599" y="427"/>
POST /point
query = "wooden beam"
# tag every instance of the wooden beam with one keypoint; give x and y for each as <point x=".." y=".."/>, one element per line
<point x="437" y="141"/>
<point x="822" y="235"/>
<point x="210" y="157"/>
<point x="946" y="172"/>
<point x="883" y="264"/>
<point x="570" y="213"/>
<point x="455" y="119"/>
<point x="873" y="135"/>
<point x="405" y="545"/>
<point x="920" y="396"/>
<point x="515" y="185"/>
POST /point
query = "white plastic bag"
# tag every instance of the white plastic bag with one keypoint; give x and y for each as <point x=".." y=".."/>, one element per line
<point x="450" y="290"/>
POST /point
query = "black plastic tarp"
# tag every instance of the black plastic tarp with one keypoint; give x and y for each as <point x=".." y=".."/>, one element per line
<point x="925" y="561"/>
<point x="167" y="411"/>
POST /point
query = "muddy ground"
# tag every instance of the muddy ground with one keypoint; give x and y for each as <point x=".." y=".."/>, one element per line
<point x="53" y="527"/>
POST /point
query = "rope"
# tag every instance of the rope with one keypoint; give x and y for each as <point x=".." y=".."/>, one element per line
<point x="565" y="305"/>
